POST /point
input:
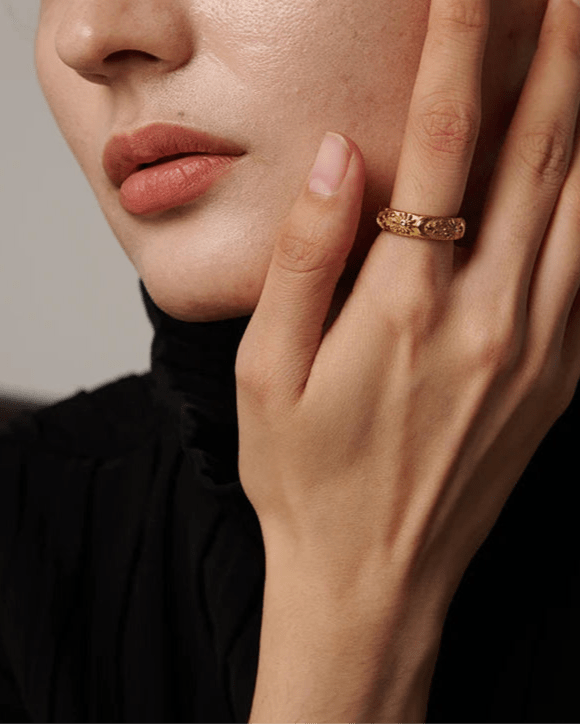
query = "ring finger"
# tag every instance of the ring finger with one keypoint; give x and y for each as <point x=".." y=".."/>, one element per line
<point x="532" y="166"/>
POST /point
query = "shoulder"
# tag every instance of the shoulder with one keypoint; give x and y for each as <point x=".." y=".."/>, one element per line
<point x="81" y="484"/>
<point x="106" y="421"/>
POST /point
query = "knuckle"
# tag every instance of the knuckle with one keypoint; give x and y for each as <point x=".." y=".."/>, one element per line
<point x="496" y="354"/>
<point x="255" y="376"/>
<point x="416" y="314"/>
<point x="545" y="151"/>
<point x="447" y="126"/>
<point x="303" y="250"/>
<point x="496" y="347"/>
<point x="464" y="15"/>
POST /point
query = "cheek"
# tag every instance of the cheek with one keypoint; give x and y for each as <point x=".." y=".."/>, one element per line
<point x="344" y="65"/>
<point x="305" y="60"/>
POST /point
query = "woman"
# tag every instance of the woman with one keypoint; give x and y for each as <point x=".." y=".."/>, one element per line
<point x="345" y="407"/>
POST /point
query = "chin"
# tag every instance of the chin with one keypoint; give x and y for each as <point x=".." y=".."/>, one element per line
<point x="205" y="261"/>
<point x="192" y="300"/>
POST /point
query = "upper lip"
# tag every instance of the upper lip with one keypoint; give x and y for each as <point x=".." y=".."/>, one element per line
<point x="124" y="153"/>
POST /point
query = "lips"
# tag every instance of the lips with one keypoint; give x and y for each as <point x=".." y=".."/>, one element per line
<point x="163" y="166"/>
<point x="159" y="143"/>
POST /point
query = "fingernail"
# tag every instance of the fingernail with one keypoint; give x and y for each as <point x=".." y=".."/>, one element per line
<point x="330" y="166"/>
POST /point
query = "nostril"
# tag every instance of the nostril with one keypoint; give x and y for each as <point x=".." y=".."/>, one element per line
<point x="123" y="55"/>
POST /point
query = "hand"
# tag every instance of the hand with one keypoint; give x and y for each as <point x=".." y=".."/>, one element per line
<point x="391" y="441"/>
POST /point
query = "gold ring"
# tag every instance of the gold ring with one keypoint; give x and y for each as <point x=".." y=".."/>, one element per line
<point x="416" y="226"/>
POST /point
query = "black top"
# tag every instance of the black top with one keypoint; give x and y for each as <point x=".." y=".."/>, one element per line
<point x="132" y="563"/>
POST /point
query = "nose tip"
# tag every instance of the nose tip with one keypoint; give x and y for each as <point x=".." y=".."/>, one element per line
<point x="102" y="40"/>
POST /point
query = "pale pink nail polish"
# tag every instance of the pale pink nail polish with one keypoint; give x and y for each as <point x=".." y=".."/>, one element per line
<point x="330" y="166"/>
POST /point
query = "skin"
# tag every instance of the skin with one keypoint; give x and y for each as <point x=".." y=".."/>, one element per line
<point x="272" y="75"/>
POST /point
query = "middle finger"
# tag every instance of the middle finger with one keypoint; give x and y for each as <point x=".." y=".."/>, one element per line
<point x="440" y="137"/>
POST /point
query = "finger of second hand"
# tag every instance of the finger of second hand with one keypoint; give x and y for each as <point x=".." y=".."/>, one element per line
<point x="440" y="137"/>
<point x="554" y="308"/>
<point x="532" y="167"/>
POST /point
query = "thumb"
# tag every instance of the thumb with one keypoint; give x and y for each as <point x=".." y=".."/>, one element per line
<point x="309" y="256"/>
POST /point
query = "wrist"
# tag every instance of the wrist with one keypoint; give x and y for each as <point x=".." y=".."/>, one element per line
<point x="383" y="585"/>
<point x="329" y="657"/>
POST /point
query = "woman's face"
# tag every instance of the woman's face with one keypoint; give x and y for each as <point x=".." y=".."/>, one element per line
<point x="269" y="75"/>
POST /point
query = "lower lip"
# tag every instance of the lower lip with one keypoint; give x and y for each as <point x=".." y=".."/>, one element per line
<point x="172" y="184"/>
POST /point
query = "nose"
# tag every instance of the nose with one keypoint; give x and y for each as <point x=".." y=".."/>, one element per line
<point x="102" y="39"/>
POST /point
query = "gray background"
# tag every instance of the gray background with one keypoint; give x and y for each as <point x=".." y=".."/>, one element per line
<point x="71" y="315"/>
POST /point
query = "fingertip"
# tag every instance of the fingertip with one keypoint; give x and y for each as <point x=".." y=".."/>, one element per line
<point x="331" y="165"/>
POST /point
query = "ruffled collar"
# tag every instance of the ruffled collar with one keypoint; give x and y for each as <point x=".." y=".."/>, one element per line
<point x="193" y="372"/>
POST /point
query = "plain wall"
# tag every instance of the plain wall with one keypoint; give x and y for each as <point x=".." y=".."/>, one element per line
<point x="71" y="315"/>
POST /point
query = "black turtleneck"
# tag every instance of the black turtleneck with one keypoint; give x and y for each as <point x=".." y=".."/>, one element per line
<point x="192" y="368"/>
<point x="132" y="563"/>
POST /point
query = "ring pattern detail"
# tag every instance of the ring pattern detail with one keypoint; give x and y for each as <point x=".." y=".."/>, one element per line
<point x="430" y="228"/>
